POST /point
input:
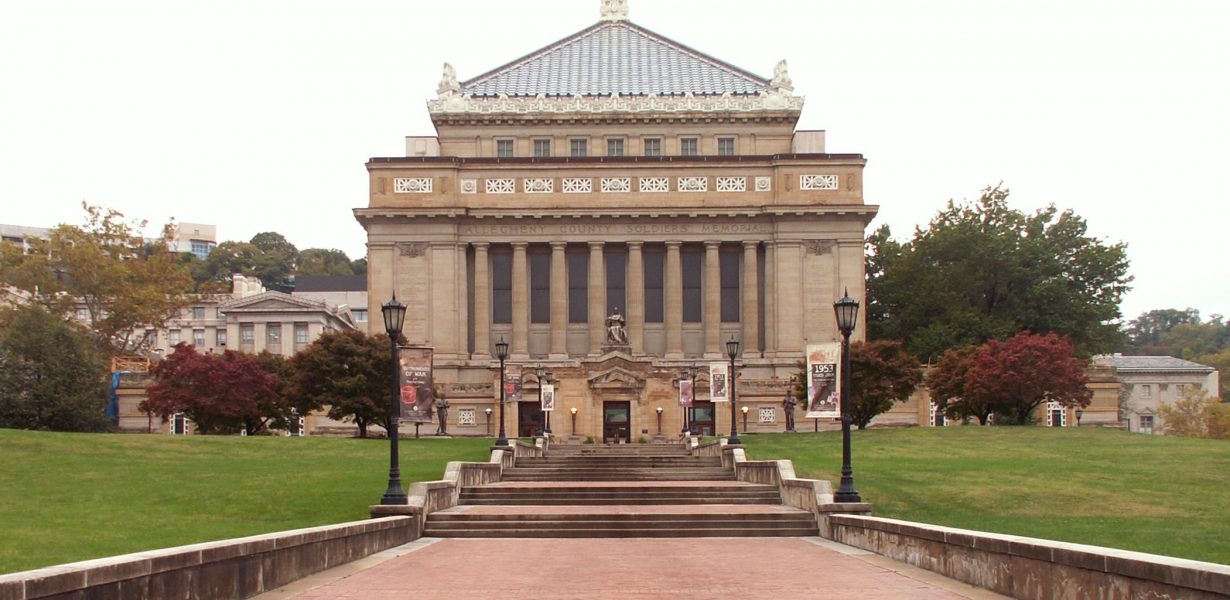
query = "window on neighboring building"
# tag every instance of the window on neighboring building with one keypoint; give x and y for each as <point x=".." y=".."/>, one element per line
<point x="689" y="147"/>
<point x="614" y="147"/>
<point x="540" y="284"/>
<point x="198" y="338"/>
<point x="173" y="338"/>
<point x="726" y="146"/>
<point x="729" y="263"/>
<point x="504" y="149"/>
<point x="179" y="424"/>
<point x="542" y="148"/>
<point x="83" y="314"/>
<point x="273" y="337"/>
<point x="247" y="335"/>
<point x="693" y="298"/>
<point x="360" y="315"/>
<point x="616" y="278"/>
<point x="653" y="146"/>
<point x="1146" y="423"/>
<point x="1056" y="416"/>
<point x="151" y="338"/>
<point x="198" y="312"/>
<point x="202" y="249"/>
<point x="221" y="338"/>
<point x="1180" y="389"/>
<point x="655" y="259"/>
<point x="578" y="285"/>
<point x="1146" y="391"/>
<point x="501" y="285"/>
<point x="937" y="416"/>
<point x="578" y="147"/>
<point x="301" y="334"/>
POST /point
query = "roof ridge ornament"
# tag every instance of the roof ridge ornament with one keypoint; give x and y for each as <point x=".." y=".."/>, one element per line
<point x="614" y="10"/>
<point x="781" y="78"/>
<point x="448" y="82"/>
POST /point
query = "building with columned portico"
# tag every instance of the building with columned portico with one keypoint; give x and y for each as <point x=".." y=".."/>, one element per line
<point x="616" y="169"/>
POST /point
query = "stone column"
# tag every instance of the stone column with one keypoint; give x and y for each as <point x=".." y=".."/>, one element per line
<point x="636" y="297"/>
<point x="461" y="298"/>
<point x="791" y="316"/>
<point x="597" y="298"/>
<point x="520" y="346"/>
<point x="711" y="291"/>
<point x="482" y="302"/>
<point x="750" y="313"/>
<point x="770" y="299"/>
<point x="559" y="301"/>
<point x="674" y="301"/>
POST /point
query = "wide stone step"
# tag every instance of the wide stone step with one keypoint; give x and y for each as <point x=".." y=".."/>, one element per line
<point x="683" y="500"/>
<point x="628" y="462"/>
<point x="525" y="477"/>
<point x="592" y="532"/>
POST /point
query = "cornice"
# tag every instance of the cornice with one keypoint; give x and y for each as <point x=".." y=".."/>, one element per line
<point x="764" y="160"/>
<point x="457" y="104"/>
<point x="865" y="211"/>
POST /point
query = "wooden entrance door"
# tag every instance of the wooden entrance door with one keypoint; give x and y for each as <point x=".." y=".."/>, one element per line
<point x="616" y="422"/>
<point x="529" y="419"/>
<point x="704" y="419"/>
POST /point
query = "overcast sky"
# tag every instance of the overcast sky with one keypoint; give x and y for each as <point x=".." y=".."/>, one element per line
<point x="259" y="115"/>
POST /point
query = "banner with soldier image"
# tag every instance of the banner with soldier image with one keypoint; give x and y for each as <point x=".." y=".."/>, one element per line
<point x="685" y="393"/>
<point x="548" y="397"/>
<point x="823" y="381"/>
<point x="414" y="379"/>
<point x="512" y="383"/>
<point x="718" y="382"/>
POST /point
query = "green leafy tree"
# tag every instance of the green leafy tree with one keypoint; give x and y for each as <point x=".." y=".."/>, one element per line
<point x="1221" y="362"/>
<point x="348" y="372"/>
<point x="121" y="284"/>
<point x="51" y="375"/>
<point x="276" y="261"/>
<point x="359" y="266"/>
<point x="1197" y="414"/>
<point x="227" y="259"/>
<point x="882" y="373"/>
<point x="319" y="261"/>
<point x="1144" y="333"/>
<point x="984" y="270"/>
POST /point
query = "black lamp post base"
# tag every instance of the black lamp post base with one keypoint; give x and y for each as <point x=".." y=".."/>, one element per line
<point x="734" y="440"/>
<point x="394" y="495"/>
<point x="846" y="497"/>
<point x="501" y="441"/>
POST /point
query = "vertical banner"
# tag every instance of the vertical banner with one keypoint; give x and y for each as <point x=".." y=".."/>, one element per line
<point x="823" y="381"/>
<point x="718" y="381"/>
<point x="548" y="398"/>
<point x="512" y="383"/>
<point x="414" y="368"/>
<point x="685" y="393"/>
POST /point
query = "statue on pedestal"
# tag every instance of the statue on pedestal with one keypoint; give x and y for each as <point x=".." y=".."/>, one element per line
<point x="788" y="404"/>
<point x="616" y="332"/>
<point x="442" y="414"/>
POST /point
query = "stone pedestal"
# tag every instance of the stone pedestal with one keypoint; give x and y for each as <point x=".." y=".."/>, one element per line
<point x="624" y="348"/>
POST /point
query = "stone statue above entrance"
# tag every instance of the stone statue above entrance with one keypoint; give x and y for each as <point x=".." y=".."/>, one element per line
<point x="616" y="329"/>
<point x="614" y="10"/>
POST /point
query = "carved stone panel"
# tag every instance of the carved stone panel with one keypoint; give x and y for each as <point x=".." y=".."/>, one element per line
<point x="819" y="247"/>
<point x="412" y="249"/>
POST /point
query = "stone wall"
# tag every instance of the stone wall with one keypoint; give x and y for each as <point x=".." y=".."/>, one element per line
<point x="1031" y="568"/>
<point x="238" y="568"/>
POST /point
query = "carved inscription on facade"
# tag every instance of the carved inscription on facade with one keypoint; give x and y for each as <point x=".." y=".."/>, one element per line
<point x="412" y="249"/>
<point x="819" y="247"/>
<point x="602" y="229"/>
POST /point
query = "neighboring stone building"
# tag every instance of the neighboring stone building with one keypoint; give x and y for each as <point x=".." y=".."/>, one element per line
<point x="1152" y="381"/>
<point x="616" y="169"/>
<point x="342" y="291"/>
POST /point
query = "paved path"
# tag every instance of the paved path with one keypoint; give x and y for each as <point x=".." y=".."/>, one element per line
<point x="627" y="569"/>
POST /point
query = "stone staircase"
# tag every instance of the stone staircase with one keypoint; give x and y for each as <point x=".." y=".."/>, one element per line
<point x="619" y="491"/>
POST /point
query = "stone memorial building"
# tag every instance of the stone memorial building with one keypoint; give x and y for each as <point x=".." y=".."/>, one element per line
<point x="616" y="206"/>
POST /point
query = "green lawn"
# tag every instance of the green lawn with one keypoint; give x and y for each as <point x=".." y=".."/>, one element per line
<point x="70" y="497"/>
<point x="1163" y="495"/>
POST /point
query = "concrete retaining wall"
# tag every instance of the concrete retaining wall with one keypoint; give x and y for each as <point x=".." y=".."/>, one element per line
<point x="238" y="568"/>
<point x="1031" y="568"/>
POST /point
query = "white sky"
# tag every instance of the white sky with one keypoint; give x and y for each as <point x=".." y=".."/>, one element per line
<point x="259" y="115"/>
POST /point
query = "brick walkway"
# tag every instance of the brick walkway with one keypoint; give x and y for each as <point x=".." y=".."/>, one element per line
<point x="628" y="569"/>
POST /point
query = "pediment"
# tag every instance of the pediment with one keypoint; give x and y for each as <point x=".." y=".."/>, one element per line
<point x="271" y="301"/>
<point x="616" y="378"/>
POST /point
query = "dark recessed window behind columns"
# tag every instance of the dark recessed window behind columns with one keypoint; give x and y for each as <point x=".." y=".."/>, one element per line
<point x="578" y="283"/>
<point x="540" y="283"/>
<point x="693" y="273"/>
<point x="729" y="258"/>
<point x="501" y="284"/>
<point x="616" y="278"/>
<point x="655" y="260"/>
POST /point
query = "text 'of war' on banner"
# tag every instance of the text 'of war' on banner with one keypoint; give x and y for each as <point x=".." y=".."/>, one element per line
<point x="414" y="378"/>
<point x="823" y="381"/>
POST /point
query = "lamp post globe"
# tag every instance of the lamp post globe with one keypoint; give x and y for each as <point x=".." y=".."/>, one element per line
<point x="846" y="311"/>
<point x="394" y="317"/>
<point x="732" y="350"/>
<point x="501" y="352"/>
<point x="573" y="410"/>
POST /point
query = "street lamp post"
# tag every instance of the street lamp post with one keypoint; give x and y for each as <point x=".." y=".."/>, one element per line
<point x="659" y="421"/>
<point x="540" y="375"/>
<point x="488" y="411"/>
<point x="732" y="350"/>
<point x="394" y="317"/>
<point x="689" y="412"/>
<point x="744" y="409"/>
<point x="846" y="310"/>
<point x="501" y="352"/>
<point x="573" y="410"/>
<point x="547" y="427"/>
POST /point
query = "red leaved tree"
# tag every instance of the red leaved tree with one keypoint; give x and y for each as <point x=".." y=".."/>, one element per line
<point x="1012" y="377"/>
<point x="882" y="373"/>
<point x="220" y="393"/>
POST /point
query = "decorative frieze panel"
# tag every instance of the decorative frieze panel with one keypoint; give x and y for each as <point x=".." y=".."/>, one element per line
<point x="817" y="182"/>
<point x="420" y="185"/>
<point x="655" y="184"/>
<point x="764" y="184"/>
<point x="615" y="185"/>
<point x="412" y="249"/>
<point x="732" y="184"/>
<point x="768" y="414"/>
<point x="578" y="185"/>
<point x="501" y="186"/>
<point x="542" y="185"/>
<point x="453" y="101"/>
<point x="469" y="186"/>
<point x="693" y="184"/>
<point x="465" y="416"/>
<point x="819" y="247"/>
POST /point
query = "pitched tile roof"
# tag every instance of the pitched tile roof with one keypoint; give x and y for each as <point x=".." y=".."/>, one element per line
<point x="1149" y="363"/>
<point x="615" y="57"/>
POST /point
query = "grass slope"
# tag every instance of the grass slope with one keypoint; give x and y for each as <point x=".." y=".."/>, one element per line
<point x="71" y="497"/>
<point x="1155" y="494"/>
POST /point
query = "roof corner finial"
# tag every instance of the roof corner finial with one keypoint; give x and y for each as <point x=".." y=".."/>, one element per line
<point x="448" y="82"/>
<point x="781" y="78"/>
<point x="614" y="10"/>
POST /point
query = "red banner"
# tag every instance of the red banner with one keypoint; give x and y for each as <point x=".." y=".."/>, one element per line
<point x="414" y="370"/>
